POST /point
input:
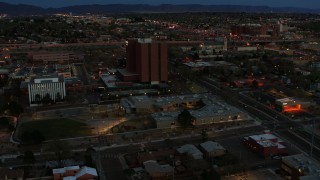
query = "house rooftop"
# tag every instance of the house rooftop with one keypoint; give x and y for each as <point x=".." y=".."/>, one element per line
<point x="65" y="169"/>
<point x="304" y="162"/>
<point x="191" y="150"/>
<point x="263" y="137"/>
<point x="210" y="146"/>
<point x="153" y="166"/>
<point x="86" y="170"/>
<point x="70" y="178"/>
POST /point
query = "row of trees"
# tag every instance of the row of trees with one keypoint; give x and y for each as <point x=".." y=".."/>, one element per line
<point x="12" y="108"/>
<point x="46" y="99"/>
<point x="185" y="119"/>
<point x="5" y="123"/>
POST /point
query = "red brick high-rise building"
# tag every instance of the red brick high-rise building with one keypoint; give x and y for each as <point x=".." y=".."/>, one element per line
<point x="147" y="61"/>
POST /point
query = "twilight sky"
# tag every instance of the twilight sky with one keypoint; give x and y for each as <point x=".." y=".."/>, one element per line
<point x="314" y="4"/>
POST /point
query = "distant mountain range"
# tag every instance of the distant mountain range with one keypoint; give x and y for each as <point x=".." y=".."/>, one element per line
<point x="27" y="10"/>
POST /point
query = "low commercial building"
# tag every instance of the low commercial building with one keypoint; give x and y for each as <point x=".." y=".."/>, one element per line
<point x="165" y="119"/>
<point x="54" y="57"/>
<point x="301" y="167"/>
<point x="137" y="104"/>
<point x="59" y="173"/>
<point x="75" y="173"/>
<point x="191" y="150"/>
<point x="212" y="149"/>
<point x="157" y="171"/>
<point x="158" y="155"/>
<point x="206" y="109"/>
<point x="265" y="144"/>
<point x="46" y="86"/>
<point x="171" y="103"/>
<point x="215" y="112"/>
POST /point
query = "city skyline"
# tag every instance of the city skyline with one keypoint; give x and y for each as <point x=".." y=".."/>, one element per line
<point x="313" y="4"/>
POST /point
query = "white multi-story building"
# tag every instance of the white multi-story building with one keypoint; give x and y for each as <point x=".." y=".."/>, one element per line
<point x="42" y="86"/>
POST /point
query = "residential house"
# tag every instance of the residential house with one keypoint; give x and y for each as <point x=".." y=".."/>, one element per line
<point x="212" y="149"/>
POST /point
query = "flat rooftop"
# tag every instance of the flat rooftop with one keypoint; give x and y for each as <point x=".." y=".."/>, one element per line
<point x="213" y="107"/>
<point x="262" y="137"/>
<point x="165" y="116"/>
<point x="168" y="100"/>
<point x="285" y="100"/>
<point x="109" y="80"/>
<point x="301" y="161"/>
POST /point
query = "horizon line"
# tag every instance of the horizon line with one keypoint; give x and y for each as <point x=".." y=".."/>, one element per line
<point x="160" y="5"/>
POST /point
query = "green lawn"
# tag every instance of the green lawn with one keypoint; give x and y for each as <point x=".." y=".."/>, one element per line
<point x="56" y="128"/>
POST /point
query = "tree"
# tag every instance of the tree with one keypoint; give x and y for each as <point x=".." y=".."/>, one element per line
<point x="204" y="135"/>
<point x="255" y="84"/>
<point x="28" y="157"/>
<point x="185" y="119"/>
<point x="204" y="53"/>
<point x="58" y="97"/>
<point x="196" y="56"/>
<point x="210" y="175"/>
<point x="37" y="98"/>
<point x="13" y="108"/>
<point x="46" y="99"/>
<point x="5" y="123"/>
<point x="88" y="156"/>
<point x="200" y="103"/>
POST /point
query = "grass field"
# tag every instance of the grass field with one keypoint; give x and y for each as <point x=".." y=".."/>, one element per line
<point x="56" y="128"/>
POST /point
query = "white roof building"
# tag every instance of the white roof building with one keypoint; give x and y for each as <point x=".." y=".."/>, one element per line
<point x="65" y="169"/>
<point x="191" y="150"/>
<point x="77" y="172"/>
<point x="86" y="170"/>
<point x="213" y="148"/>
